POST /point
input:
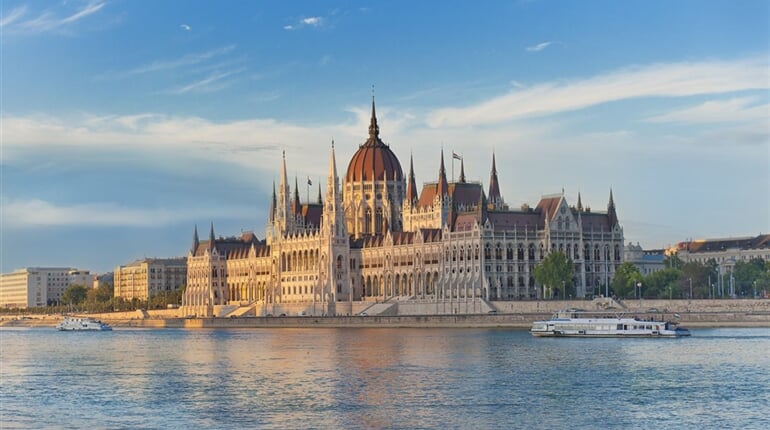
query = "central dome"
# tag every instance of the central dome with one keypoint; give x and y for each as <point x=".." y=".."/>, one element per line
<point x="374" y="160"/>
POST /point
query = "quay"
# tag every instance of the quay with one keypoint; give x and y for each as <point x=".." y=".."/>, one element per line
<point x="516" y="315"/>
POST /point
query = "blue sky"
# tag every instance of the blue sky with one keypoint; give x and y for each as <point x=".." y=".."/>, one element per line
<point x="125" y="123"/>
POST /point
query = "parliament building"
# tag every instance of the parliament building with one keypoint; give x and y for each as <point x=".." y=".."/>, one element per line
<point x="374" y="239"/>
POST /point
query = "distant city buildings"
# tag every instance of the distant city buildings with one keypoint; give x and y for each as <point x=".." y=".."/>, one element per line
<point x="373" y="237"/>
<point x="647" y="261"/>
<point x="40" y="286"/>
<point x="725" y="252"/>
<point x="145" y="278"/>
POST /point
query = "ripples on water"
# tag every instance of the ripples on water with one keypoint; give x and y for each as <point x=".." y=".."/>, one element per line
<point x="381" y="378"/>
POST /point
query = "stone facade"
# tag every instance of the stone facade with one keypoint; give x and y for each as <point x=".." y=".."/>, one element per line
<point x="373" y="238"/>
<point x="145" y="278"/>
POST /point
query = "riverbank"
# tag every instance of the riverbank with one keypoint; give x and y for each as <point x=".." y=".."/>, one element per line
<point x="731" y="318"/>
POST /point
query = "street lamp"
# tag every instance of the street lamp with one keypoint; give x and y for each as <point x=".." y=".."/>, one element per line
<point x="690" y="288"/>
<point x="639" y="285"/>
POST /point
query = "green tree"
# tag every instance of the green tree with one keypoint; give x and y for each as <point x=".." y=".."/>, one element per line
<point x="74" y="295"/>
<point x="662" y="284"/>
<point x="555" y="272"/>
<point x="626" y="277"/>
<point x="749" y="276"/>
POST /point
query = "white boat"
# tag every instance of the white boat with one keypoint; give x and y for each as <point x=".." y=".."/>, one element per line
<point x="81" y="324"/>
<point x="575" y="323"/>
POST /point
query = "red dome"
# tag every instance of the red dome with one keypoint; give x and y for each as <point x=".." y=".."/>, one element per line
<point x="374" y="160"/>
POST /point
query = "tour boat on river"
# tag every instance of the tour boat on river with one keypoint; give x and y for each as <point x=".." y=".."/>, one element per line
<point x="81" y="324"/>
<point x="575" y="323"/>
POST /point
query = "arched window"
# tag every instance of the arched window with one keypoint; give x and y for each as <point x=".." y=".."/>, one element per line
<point x="587" y="252"/>
<point x="509" y="252"/>
<point x="498" y="252"/>
<point x="368" y="221"/>
<point x="378" y="225"/>
<point x="487" y="251"/>
<point x="520" y="252"/>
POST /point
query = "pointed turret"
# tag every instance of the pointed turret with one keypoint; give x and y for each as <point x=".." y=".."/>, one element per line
<point x="196" y="242"/>
<point x="611" y="214"/>
<point x="296" y="208"/>
<point x="320" y="201"/>
<point x="374" y="129"/>
<point x="211" y="236"/>
<point x="411" y="187"/>
<point x="494" y="188"/>
<point x="462" y="170"/>
<point x="333" y="215"/>
<point x="272" y="205"/>
<point x="443" y="187"/>
<point x="579" y="203"/>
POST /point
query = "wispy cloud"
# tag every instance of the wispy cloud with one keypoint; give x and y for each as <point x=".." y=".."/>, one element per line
<point x="539" y="47"/>
<point x="49" y="19"/>
<point x="658" y="80"/>
<point x="170" y="64"/>
<point x="311" y="21"/>
<point x="737" y="109"/>
<point x="210" y="83"/>
<point x="31" y="213"/>
<point x="14" y="15"/>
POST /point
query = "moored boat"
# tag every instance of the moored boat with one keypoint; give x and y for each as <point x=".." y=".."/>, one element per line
<point x="574" y="323"/>
<point x="82" y="324"/>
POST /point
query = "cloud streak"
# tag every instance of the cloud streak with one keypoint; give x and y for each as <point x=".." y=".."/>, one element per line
<point x="170" y="64"/>
<point x="539" y="47"/>
<point x="658" y="80"/>
<point x="31" y="213"/>
<point x="47" y="20"/>
<point x="739" y="109"/>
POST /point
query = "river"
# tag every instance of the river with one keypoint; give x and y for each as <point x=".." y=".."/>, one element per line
<point x="353" y="378"/>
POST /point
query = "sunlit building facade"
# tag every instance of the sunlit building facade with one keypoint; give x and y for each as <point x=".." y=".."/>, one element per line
<point x="374" y="237"/>
<point x="142" y="279"/>
<point x="40" y="286"/>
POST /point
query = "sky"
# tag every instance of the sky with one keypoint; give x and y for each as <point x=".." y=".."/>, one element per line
<point x="124" y="124"/>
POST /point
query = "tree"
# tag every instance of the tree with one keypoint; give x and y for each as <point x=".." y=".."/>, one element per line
<point x="74" y="295"/>
<point x="662" y="284"/>
<point x="555" y="272"/>
<point x="626" y="277"/>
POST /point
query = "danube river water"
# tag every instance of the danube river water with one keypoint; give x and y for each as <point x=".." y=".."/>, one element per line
<point x="380" y="378"/>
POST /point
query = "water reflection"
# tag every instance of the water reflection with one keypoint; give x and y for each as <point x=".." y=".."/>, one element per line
<point x="378" y="378"/>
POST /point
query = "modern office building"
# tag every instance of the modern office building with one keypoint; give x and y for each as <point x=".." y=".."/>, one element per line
<point x="40" y="286"/>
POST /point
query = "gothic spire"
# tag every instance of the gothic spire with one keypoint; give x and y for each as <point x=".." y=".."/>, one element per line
<point x="579" y="203"/>
<point x="611" y="214"/>
<point x="211" y="236"/>
<point x="296" y="206"/>
<point x="494" y="187"/>
<point x="462" y="170"/>
<point x="411" y="190"/>
<point x="320" y="201"/>
<point x="443" y="187"/>
<point x="272" y="205"/>
<point x="196" y="242"/>
<point x="374" y="129"/>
